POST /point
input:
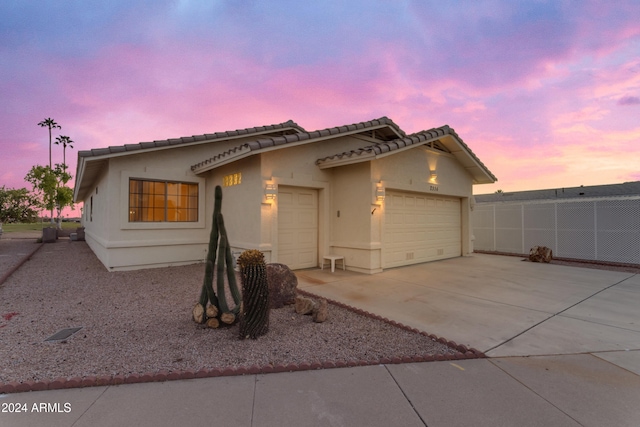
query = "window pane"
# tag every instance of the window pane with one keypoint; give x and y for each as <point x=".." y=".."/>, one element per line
<point x="159" y="201"/>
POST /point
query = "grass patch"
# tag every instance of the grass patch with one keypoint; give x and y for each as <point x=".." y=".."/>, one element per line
<point x="36" y="226"/>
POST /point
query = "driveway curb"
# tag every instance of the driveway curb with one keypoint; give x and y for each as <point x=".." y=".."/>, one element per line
<point x="13" y="269"/>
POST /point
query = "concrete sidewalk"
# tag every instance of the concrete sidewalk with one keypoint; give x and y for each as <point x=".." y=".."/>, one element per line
<point x="581" y="328"/>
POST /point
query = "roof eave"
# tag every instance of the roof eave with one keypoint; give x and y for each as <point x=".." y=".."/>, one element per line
<point x="212" y="164"/>
<point x="479" y="173"/>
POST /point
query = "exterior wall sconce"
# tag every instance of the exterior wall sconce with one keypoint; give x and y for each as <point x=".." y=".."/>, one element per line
<point x="270" y="191"/>
<point x="380" y="193"/>
<point x="433" y="175"/>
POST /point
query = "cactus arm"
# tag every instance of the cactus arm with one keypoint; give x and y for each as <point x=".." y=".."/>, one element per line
<point x="222" y="299"/>
<point x="207" y="285"/>
<point x="231" y="277"/>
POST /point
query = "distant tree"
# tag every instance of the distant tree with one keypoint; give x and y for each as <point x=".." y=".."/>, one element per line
<point x="65" y="141"/>
<point x="18" y="205"/>
<point x="49" y="185"/>
<point x="51" y="124"/>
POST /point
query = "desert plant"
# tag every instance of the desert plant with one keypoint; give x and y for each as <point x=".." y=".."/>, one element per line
<point x="254" y="312"/>
<point x="211" y="307"/>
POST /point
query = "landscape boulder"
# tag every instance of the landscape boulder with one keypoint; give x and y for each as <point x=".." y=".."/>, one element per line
<point x="540" y="254"/>
<point x="283" y="285"/>
<point x="320" y="311"/>
<point x="304" y="305"/>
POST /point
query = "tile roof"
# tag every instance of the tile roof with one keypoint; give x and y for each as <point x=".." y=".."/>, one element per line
<point x="385" y="147"/>
<point x="627" y="189"/>
<point x="268" y="142"/>
<point x="417" y="138"/>
<point x="190" y="139"/>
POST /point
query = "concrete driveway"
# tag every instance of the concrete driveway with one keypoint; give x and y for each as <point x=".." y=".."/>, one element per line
<point x="500" y="305"/>
<point x="577" y="327"/>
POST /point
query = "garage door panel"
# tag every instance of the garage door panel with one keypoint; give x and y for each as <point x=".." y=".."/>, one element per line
<point x="420" y="228"/>
<point x="306" y="220"/>
<point x="306" y="199"/>
<point x="285" y="198"/>
<point x="286" y="218"/>
<point x="297" y="227"/>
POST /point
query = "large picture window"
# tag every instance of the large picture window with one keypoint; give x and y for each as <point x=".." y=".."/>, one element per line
<point x="162" y="201"/>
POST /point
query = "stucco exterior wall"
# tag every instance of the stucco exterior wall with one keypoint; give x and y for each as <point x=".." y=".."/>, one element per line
<point x="355" y="219"/>
<point x="95" y="217"/>
<point x="123" y="245"/>
<point x="350" y="220"/>
<point x="241" y="204"/>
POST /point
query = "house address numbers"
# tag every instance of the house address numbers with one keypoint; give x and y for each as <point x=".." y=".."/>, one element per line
<point x="433" y="188"/>
<point x="233" y="179"/>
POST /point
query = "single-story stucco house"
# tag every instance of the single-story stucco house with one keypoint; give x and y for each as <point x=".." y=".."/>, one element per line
<point x="366" y="191"/>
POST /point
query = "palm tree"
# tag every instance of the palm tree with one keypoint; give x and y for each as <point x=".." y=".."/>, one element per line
<point x="66" y="142"/>
<point x="50" y="123"/>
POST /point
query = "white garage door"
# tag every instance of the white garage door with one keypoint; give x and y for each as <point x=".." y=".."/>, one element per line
<point x="297" y="227"/>
<point x="420" y="227"/>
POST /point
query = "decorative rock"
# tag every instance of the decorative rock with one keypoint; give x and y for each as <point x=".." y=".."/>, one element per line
<point x="283" y="285"/>
<point x="304" y="305"/>
<point x="540" y="254"/>
<point x="320" y="311"/>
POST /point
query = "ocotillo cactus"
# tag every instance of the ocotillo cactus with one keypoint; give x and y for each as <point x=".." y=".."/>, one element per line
<point x="254" y="314"/>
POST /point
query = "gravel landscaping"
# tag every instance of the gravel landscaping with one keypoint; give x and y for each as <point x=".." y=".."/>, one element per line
<point x="138" y="323"/>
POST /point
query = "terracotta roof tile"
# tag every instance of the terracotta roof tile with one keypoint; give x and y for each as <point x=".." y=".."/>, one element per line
<point x="412" y="139"/>
<point x="263" y="143"/>
<point x="187" y="139"/>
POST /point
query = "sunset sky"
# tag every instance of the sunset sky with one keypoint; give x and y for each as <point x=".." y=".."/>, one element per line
<point x="545" y="93"/>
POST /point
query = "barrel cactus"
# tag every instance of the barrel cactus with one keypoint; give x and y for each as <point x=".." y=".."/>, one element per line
<point x="254" y="311"/>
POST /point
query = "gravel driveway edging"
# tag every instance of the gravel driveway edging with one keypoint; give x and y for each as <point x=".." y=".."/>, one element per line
<point x="12" y="270"/>
<point x="462" y="352"/>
